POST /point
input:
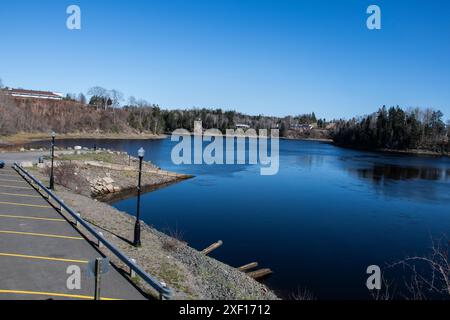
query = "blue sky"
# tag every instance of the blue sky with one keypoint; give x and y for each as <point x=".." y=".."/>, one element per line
<point x="258" y="57"/>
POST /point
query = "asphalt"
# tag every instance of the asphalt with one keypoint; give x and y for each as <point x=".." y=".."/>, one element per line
<point x="38" y="247"/>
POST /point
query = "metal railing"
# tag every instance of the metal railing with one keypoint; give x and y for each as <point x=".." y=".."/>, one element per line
<point x="164" y="292"/>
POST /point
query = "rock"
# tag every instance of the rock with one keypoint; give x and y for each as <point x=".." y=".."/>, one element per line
<point x="26" y="164"/>
<point x="108" y="180"/>
<point x="110" y="188"/>
<point x="117" y="189"/>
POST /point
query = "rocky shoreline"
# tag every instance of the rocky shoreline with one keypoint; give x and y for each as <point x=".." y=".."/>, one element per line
<point x="189" y="272"/>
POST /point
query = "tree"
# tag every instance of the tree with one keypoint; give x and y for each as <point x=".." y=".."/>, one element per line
<point x="82" y="98"/>
<point x="116" y="98"/>
<point x="100" y="96"/>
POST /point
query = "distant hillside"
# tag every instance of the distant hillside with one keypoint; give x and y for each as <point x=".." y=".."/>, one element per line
<point x="18" y="115"/>
<point x="30" y="115"/>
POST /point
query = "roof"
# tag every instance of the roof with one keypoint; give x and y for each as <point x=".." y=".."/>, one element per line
<point x="33" y="92"/>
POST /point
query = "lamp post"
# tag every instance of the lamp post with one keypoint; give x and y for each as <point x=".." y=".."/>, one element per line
<point x="137" y="227"/>
<point x="52" y="178"/>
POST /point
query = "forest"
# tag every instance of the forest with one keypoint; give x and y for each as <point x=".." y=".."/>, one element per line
<point x="396" y="129"/>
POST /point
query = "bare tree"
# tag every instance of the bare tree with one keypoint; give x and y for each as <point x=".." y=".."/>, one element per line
<point x="132" y="102"/>
<point x="430" y="275"/>
<point x="116" y="97"/>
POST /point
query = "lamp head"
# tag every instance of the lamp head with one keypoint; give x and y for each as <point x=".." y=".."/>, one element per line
<point x="141" y="152"/>
<point x="53" y="134"/>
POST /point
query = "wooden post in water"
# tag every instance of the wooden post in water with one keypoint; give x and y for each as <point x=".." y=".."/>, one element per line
<point x="258" y="274"/>
<point x="212" y="247"/>
<point x="248" y="267"/>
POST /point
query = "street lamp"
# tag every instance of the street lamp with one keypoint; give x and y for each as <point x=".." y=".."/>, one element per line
<point x="52" y="178"/>
<point x="137" y="227"/>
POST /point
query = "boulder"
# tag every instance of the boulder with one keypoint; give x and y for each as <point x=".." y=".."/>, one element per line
<point x="26" y="164"/>
<point x="108" y="180"/>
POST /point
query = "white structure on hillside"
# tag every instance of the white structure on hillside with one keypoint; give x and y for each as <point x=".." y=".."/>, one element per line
<point x="21" y="93"/>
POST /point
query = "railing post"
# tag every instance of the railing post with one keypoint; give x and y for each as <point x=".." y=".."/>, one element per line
<point x="132" y="273"/>
<point x="98" y="278"/>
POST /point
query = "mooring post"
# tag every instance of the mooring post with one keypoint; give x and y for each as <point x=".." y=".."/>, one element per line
<point x="212" y="247"/>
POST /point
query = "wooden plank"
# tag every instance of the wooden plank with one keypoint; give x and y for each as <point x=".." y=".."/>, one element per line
<point x="213" y="247"/>
<point x="258" y="274"/>
<point x="248" y="267"/>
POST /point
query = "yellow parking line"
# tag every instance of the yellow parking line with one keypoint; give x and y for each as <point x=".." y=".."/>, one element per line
<point x="30" y="218"/>
<point x="24" y="205"/>
<point x="40" y="235"/>
<point x="19" y="195"/>
<point x="16" y="187"/>
<point x="52" y="294"/>
<point x="24" y="256"/>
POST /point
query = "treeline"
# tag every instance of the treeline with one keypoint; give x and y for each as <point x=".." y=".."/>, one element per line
<point x="396" y="129"/>
<point x="137" y="116"/>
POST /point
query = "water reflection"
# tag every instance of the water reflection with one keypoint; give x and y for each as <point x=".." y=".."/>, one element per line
<point x="383" y="172"/>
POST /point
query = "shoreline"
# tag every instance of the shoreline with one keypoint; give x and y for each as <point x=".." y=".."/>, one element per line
<point x="410" y="152"/>
<point x="190" y="273"/>
<point x="26" y="138"/>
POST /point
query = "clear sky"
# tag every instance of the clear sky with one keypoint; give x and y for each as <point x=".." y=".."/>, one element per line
<point x="254" y="56"/>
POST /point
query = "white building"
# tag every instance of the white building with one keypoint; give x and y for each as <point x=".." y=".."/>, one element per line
<point x="48" y="95"/>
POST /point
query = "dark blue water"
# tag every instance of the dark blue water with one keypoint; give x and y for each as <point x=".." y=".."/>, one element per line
<point x="319" y="223"/>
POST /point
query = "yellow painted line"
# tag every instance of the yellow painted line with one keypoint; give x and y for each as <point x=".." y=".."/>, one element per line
<point x="40" y="235"/>
<point x="16" y="187"/>
<point x="24" y="205"/>
<point x="31" y="218"/>
<point x="52" y="294"/>
<point x="24" y="256"/>
<point x="20" y="195"/>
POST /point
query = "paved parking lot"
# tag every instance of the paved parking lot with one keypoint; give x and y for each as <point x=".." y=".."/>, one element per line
<point x="37" y="247"/>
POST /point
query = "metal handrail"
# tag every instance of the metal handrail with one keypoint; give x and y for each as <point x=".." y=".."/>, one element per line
<point x="165" y="293"/>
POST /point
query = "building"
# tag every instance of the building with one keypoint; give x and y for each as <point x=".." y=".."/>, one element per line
<point x="302" y="127"/>
<point x="47" y="95"/>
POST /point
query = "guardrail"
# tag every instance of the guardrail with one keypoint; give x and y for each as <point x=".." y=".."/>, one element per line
<point x="164" y="292"/>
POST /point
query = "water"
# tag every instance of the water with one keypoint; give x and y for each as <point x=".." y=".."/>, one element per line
<point x="319" y="223"/>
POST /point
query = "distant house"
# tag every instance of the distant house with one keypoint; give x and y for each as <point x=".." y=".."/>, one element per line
<point x="21" y="93"/>
<point x="242" y="126"/>
<point x="302" y="127"/>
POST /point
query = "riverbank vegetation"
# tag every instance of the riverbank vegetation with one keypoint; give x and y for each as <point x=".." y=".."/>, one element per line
<point x="107" y="113"/>
<point x="396" y="129"/>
